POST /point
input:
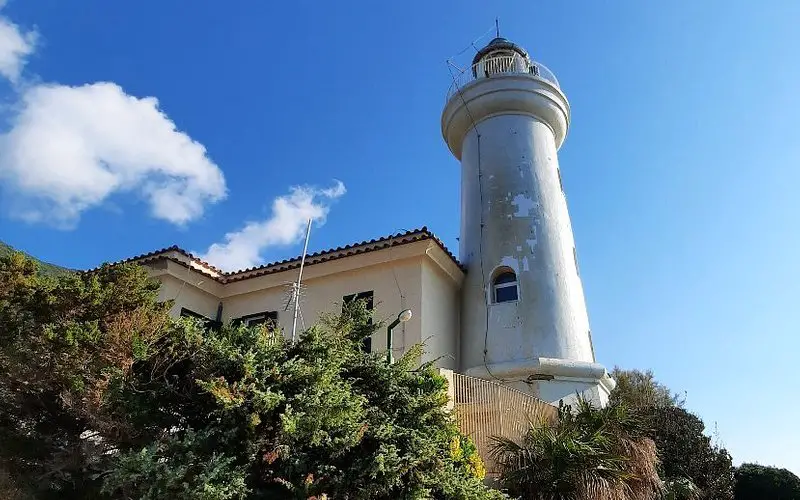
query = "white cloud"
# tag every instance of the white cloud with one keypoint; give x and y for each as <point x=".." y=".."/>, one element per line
<point x="70" y="148"/>
<point x="286" y="225"/>
<point x="15" y="47"/>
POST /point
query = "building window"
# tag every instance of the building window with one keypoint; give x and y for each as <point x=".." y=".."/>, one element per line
<point x="208" y="322"/>
<point x="268" y="318"/>
<point x="575" y="256"/>
<point x="504" y="287"/>
<point x="369" y="303"/>
<point x="188" y="313"/>
<point x="560" y="183"/>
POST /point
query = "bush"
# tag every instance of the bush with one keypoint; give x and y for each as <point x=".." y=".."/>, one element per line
<point x="103" y="395"/>
<point x="602" y="454"/>
<point x="756" y="482"/>
<point x="686" y="452"/>
<point x="687" y="455"/>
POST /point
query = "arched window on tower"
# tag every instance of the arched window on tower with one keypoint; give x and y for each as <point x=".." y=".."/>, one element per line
<point x="504" y="287"/>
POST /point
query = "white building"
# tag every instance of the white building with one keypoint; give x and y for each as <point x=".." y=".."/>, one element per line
<point x="511" y="310"/>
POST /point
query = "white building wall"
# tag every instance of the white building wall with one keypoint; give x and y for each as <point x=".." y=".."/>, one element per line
<point x="185" y="294"/>
<point x="440" y="317"/>
<point x="418" y="276"/>
<point x="322" y="293"/>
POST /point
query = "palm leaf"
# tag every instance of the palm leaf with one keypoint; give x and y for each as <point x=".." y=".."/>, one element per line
<point x="589" y="452"/>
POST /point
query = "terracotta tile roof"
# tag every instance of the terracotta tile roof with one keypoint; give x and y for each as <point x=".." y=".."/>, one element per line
<point x="162" y="255"/>
<point x="366" y="246"/>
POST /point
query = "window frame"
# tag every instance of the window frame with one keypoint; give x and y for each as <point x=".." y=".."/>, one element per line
<point x="270" y="319"/>
<point x="208" y="322"/>
<point x="513" y="283"/>
<point x="369" y="296"/>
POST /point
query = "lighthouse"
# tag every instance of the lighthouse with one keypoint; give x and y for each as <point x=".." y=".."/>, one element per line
<point x="523" y="312"/>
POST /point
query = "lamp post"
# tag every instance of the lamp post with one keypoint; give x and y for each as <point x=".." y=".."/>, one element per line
<point x="404" y="316"/>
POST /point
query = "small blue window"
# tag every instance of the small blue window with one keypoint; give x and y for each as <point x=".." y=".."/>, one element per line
<point x="504" y="288"/>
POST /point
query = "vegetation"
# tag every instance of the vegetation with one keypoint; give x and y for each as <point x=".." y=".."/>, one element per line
<point x="640" y="389"/>
<point x="602" y="454"/>
<point x="44" y="267"/>
<point x="681" y="488"/>
<point x="687" y="452"/>
<point x="610" y="453"/>
<point x="756" y="482"/>
<point x="691" y="464"/>
<point x="103" y="395"/>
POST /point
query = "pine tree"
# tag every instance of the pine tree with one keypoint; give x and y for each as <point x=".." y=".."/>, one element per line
<point x="105" y="396"/>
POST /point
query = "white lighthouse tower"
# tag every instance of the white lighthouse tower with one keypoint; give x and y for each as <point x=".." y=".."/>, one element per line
<point x="524" y="318"/>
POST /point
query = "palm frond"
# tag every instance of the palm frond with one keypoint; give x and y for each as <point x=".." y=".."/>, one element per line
<point x="590" y="452"/>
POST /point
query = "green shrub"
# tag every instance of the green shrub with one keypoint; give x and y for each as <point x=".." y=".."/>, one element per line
<point x="756" y="482"/>
<point x="103" y="395"/>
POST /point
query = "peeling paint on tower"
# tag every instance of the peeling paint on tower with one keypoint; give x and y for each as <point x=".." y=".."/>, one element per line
<point x="506" y="128"/>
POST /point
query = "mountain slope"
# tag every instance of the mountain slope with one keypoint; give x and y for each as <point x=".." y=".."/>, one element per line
<point x="44" y="267"/>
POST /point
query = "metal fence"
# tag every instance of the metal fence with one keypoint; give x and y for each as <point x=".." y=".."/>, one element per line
<point x="484" y="409"/>
<point x="499" y="65"/>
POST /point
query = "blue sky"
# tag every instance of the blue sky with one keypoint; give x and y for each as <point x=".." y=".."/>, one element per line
<point x="681" y="165"/>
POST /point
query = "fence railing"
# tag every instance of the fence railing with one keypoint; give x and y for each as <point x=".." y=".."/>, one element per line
<point x="500" y="65"/>
<point x="484" y="409"/>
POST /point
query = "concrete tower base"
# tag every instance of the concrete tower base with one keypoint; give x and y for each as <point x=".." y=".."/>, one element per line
<point x="553" y="380"/>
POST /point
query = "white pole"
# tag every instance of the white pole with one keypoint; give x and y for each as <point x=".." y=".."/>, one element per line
<point x="296" y="291"/>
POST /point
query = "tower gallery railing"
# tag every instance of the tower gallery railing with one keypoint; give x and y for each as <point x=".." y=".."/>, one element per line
<point x="500" y="65"/>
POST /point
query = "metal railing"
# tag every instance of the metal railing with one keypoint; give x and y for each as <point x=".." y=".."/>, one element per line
<point x="491" y="66"/>
<point x="484" y="409"/>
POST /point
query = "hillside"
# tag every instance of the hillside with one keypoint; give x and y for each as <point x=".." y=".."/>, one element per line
<point x="44" y="267"/>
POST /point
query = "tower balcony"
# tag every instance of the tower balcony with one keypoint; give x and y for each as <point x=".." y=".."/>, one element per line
<point x="493" y="66"/>
<point x="507" y="83"/>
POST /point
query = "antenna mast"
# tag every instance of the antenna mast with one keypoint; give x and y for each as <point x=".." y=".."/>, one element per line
<point x="497" y="26"/>
<point x="296" y="288"/>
